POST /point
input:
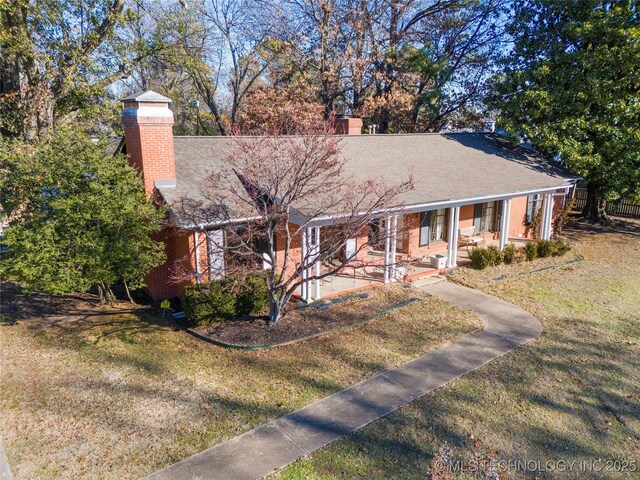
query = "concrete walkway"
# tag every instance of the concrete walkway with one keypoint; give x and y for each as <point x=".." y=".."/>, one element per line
<point x="269" y="447"/>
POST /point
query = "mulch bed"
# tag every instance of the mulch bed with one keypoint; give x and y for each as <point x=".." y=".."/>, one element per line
<point x="300" y="323"/>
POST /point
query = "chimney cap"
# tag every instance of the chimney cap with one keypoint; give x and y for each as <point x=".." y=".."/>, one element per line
<point x="149" y="96"/>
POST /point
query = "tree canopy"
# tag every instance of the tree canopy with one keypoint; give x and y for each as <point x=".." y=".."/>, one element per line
<point x="571" y="87"/>
<point x="78" y="216"/>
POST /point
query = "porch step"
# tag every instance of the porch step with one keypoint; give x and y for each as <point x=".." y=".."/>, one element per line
<point x="430" y="280"/>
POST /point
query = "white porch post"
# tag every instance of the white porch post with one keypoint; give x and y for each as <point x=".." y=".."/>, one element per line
<point x="304" y="288"/>
<point x="394" y="244"/>
<point x="552" y="198"/>
<point x="547" y="214"/>
<point x="387" y="246"/>
<point x="504" y="223"/>
<point x="317" y="264"/>
<point x="196" y="242"/>
<point x="452" y="244"/>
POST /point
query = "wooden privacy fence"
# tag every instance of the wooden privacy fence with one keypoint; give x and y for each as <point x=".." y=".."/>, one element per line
<point x="621" y="208"/>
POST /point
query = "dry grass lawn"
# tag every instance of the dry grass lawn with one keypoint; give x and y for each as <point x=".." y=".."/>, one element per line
<point x="119" y="395"/>
<point x="573" y="395"/>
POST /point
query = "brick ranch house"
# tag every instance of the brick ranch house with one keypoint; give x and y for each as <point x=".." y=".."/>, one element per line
<point x="477" y="184"/>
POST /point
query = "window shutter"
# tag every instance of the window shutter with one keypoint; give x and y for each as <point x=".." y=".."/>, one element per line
<point x="531" y="201"/>
<point x="477" y="217"/>
<point x="425" y="233"/>
<point x="499" y="219"/>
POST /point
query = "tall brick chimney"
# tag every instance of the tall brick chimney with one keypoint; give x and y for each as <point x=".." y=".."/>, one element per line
<point x="348" y="125"/>
<point x="148" y="133"/>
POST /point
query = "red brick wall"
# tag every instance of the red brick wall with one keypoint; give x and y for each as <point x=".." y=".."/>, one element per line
<point x="169" y="279"/>
<point x="295" y="250"/>
<point x="517" y="228"/>
<point x="149" y="144"/>
<point x="348" y="126"/>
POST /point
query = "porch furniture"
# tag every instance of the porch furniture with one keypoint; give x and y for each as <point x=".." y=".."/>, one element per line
<point x="469" y="236"/>
<point x="438" y="261"/>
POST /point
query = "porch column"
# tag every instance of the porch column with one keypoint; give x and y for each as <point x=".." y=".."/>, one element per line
<point x="452" y="244"/>
<point x="304" y="288"/>
<point x="394" y="244"/>
<point x="547" y="215"/>
<point x="387" y="246"/>
<point x="552" y="198"/>
<point x="317" y="264"/>
<point x="196" y="242"/>
<point x="504" y="223"/>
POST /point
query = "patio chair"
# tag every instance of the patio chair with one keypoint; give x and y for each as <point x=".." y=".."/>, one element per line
<point x="469" y="236"/>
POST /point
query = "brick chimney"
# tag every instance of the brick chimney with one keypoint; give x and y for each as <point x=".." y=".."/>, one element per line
<point x="148" y="133"/>
<point x="348" y="125"/>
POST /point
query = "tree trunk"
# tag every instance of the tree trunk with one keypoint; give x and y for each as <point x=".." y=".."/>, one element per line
<point x="275" y="312"/>
<point x="594" y="209"/>
<point x="126" y="287"/>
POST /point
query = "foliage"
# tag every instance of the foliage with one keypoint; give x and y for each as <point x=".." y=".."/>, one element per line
<point x="253" y="296"/>
<point x="415" y="65"/>
<point x="559" y="247"/>
<point x="261" y="178"/>
<point x="78" y="216"/>
<point x="225" y="299"/>
<point x="545" y="248"/>
<point x="561" y="217"/>
<point x="531" y="251"/>
<point x="283" y="110"/>
<point x="482" y="257"/>
<point x="536" y="224"/>
<point x="571" y="86"/>
<point x="56" y="58"/>
<point x="509" y="253"/>
<point x="520" y="256"/>
<point x="495" y="255"/>
<point x="206" y="304"/>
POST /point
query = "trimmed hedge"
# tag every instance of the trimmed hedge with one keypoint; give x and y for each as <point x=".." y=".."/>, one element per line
<point x="223" y="300"/>
<point x="545" y="248"/>
<point x="531" y="251"/>
<point x="482" y="258"/>
<point x="509" y="254"/>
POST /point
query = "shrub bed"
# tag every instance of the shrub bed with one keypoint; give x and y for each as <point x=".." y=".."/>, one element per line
<point x="222" y="300"/>
<point x="484" y="257"/>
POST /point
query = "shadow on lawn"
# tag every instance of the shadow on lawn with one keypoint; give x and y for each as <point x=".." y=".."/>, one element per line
<point x="577" y="228"/>
<point x="77" y="315"/>
<point x="560" y="398"/>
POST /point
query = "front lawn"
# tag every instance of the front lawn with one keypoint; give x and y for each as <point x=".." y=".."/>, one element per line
<point x="572" y="395"/>
<point x="115" y="395"/>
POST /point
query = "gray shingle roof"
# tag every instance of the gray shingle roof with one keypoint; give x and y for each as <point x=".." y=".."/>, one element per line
<point x="454" y="166"/>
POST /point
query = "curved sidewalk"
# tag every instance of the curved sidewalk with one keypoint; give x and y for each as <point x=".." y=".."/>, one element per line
<point x="274" y="445"/>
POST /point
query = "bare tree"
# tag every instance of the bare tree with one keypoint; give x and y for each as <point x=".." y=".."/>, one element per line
<point x="285" y="187"/>
<point x="50" y="50"/>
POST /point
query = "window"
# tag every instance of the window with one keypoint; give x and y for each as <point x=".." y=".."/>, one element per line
<point x="377" y="234"/>
<point x="424" y="228"/>
<point x="488" y="219"/>
<point x="533" y="205"/>
<point x="438" y="225"/>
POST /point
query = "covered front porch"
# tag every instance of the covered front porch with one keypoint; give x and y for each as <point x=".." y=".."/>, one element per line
<point x="409" y="240"/>
<point x="360" y="277"/>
